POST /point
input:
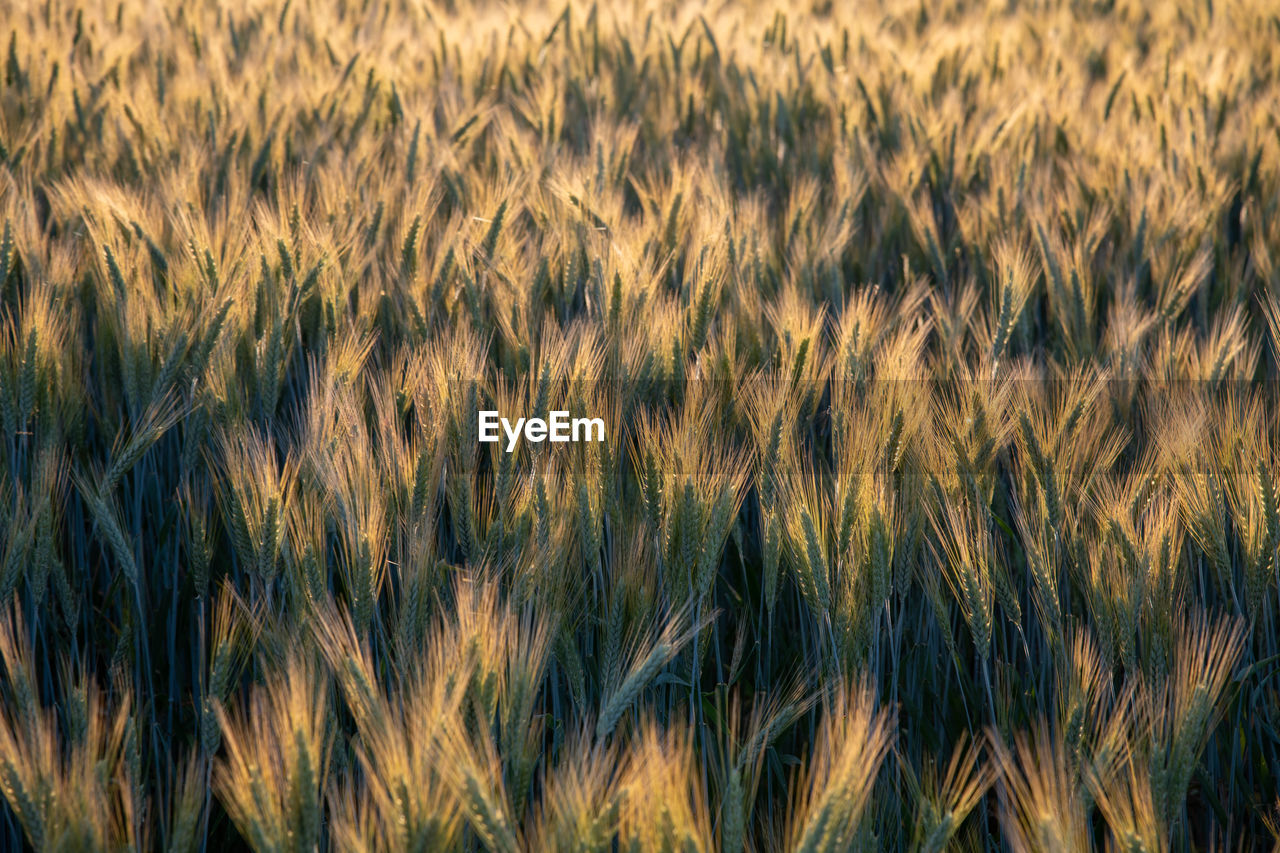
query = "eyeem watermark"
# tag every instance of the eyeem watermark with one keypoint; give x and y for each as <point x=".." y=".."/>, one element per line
<point x="560" y="427"/>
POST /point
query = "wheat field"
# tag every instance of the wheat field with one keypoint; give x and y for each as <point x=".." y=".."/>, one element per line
<point x="936" y="344"/>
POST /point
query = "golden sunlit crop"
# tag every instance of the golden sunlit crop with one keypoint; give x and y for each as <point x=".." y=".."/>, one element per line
<point x="934" y="347"/>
